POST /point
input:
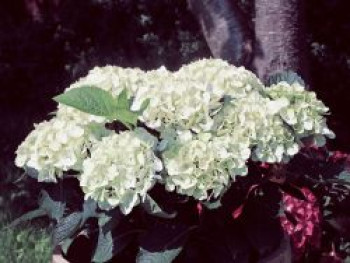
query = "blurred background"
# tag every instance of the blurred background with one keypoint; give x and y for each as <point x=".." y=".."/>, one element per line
<point x="47" y="44"/>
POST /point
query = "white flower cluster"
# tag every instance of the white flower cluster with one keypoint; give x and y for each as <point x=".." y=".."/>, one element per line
<point x="53" y="147"/>
<point x="305" y="113"/>
<point x="202" y="165"/>
<point x="121" y="169"/>
<point x="211" y="116"/>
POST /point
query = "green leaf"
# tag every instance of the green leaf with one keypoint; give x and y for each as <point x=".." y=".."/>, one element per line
<point x="122" y="109"/>
<point x="344" y="176"/>
<point x="54" y="209"/>
<point x="144" y="105"/>
<point x="104" y="248"/>
<point x="99" y="130"/>
<point x="67" y="227"/>
<point x="31" y="172"/>
<point x="126" y="116"/>
<point x="28" y="216"/>
<point x="166" y="256"/>
<point x="162" y="242"/>
<point x="122" y="100"/>
<point x="107" y="244"/>
<point x="66" y="244"/>
<point x="89" y="210"/>
<point x="288" y="76"/>
<point x="110" y="219"/>
<point x="89" y="99"/>
<point x="107" y="222"/>
<point x="152" y="208"/>
<point x="213" y="204"/>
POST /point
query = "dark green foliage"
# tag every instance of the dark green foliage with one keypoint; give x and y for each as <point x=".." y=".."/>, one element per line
<point x="288" y="76"/>
<point x="26" y="243"/>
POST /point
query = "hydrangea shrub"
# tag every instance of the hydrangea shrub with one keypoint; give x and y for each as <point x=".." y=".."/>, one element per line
<point x="123" y="132"/>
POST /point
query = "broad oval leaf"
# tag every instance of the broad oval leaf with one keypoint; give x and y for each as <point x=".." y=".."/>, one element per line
<point x="67" y="227"/>
<point x="89" y="99"/>
<point x="104" y="248"/>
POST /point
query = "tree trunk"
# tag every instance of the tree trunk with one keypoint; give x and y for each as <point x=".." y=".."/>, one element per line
<point x="280" y="38"/>
<point x="225" y="29"/>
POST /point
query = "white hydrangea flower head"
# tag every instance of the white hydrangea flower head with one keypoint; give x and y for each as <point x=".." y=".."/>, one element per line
<point x="247" y="116"/>
<point x="201" y="165"/>
<point x="111" y="78"/>
<point x="254" y="120"/>
<point x="275" y="144"/>
<point x="54" y="147"/>
<point x="305" y="113"/>
<point x="121" y="169"/>
<point x="221" y="78"/>
<point x="175" y="102"/>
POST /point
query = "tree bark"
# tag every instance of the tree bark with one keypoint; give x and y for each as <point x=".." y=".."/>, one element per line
<point x="280" y="39"/>
<point x="225" y="29"/>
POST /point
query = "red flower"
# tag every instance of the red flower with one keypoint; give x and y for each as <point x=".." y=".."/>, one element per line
<point x="305" y="228"/>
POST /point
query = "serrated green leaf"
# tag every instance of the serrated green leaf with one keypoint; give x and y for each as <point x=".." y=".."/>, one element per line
<point x="152" y="208"/>
<point x="67" y="227"/>
<point x="89" y="99"/>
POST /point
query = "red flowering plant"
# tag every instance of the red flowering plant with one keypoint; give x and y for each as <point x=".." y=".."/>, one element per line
<point x="319" y="224"/>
